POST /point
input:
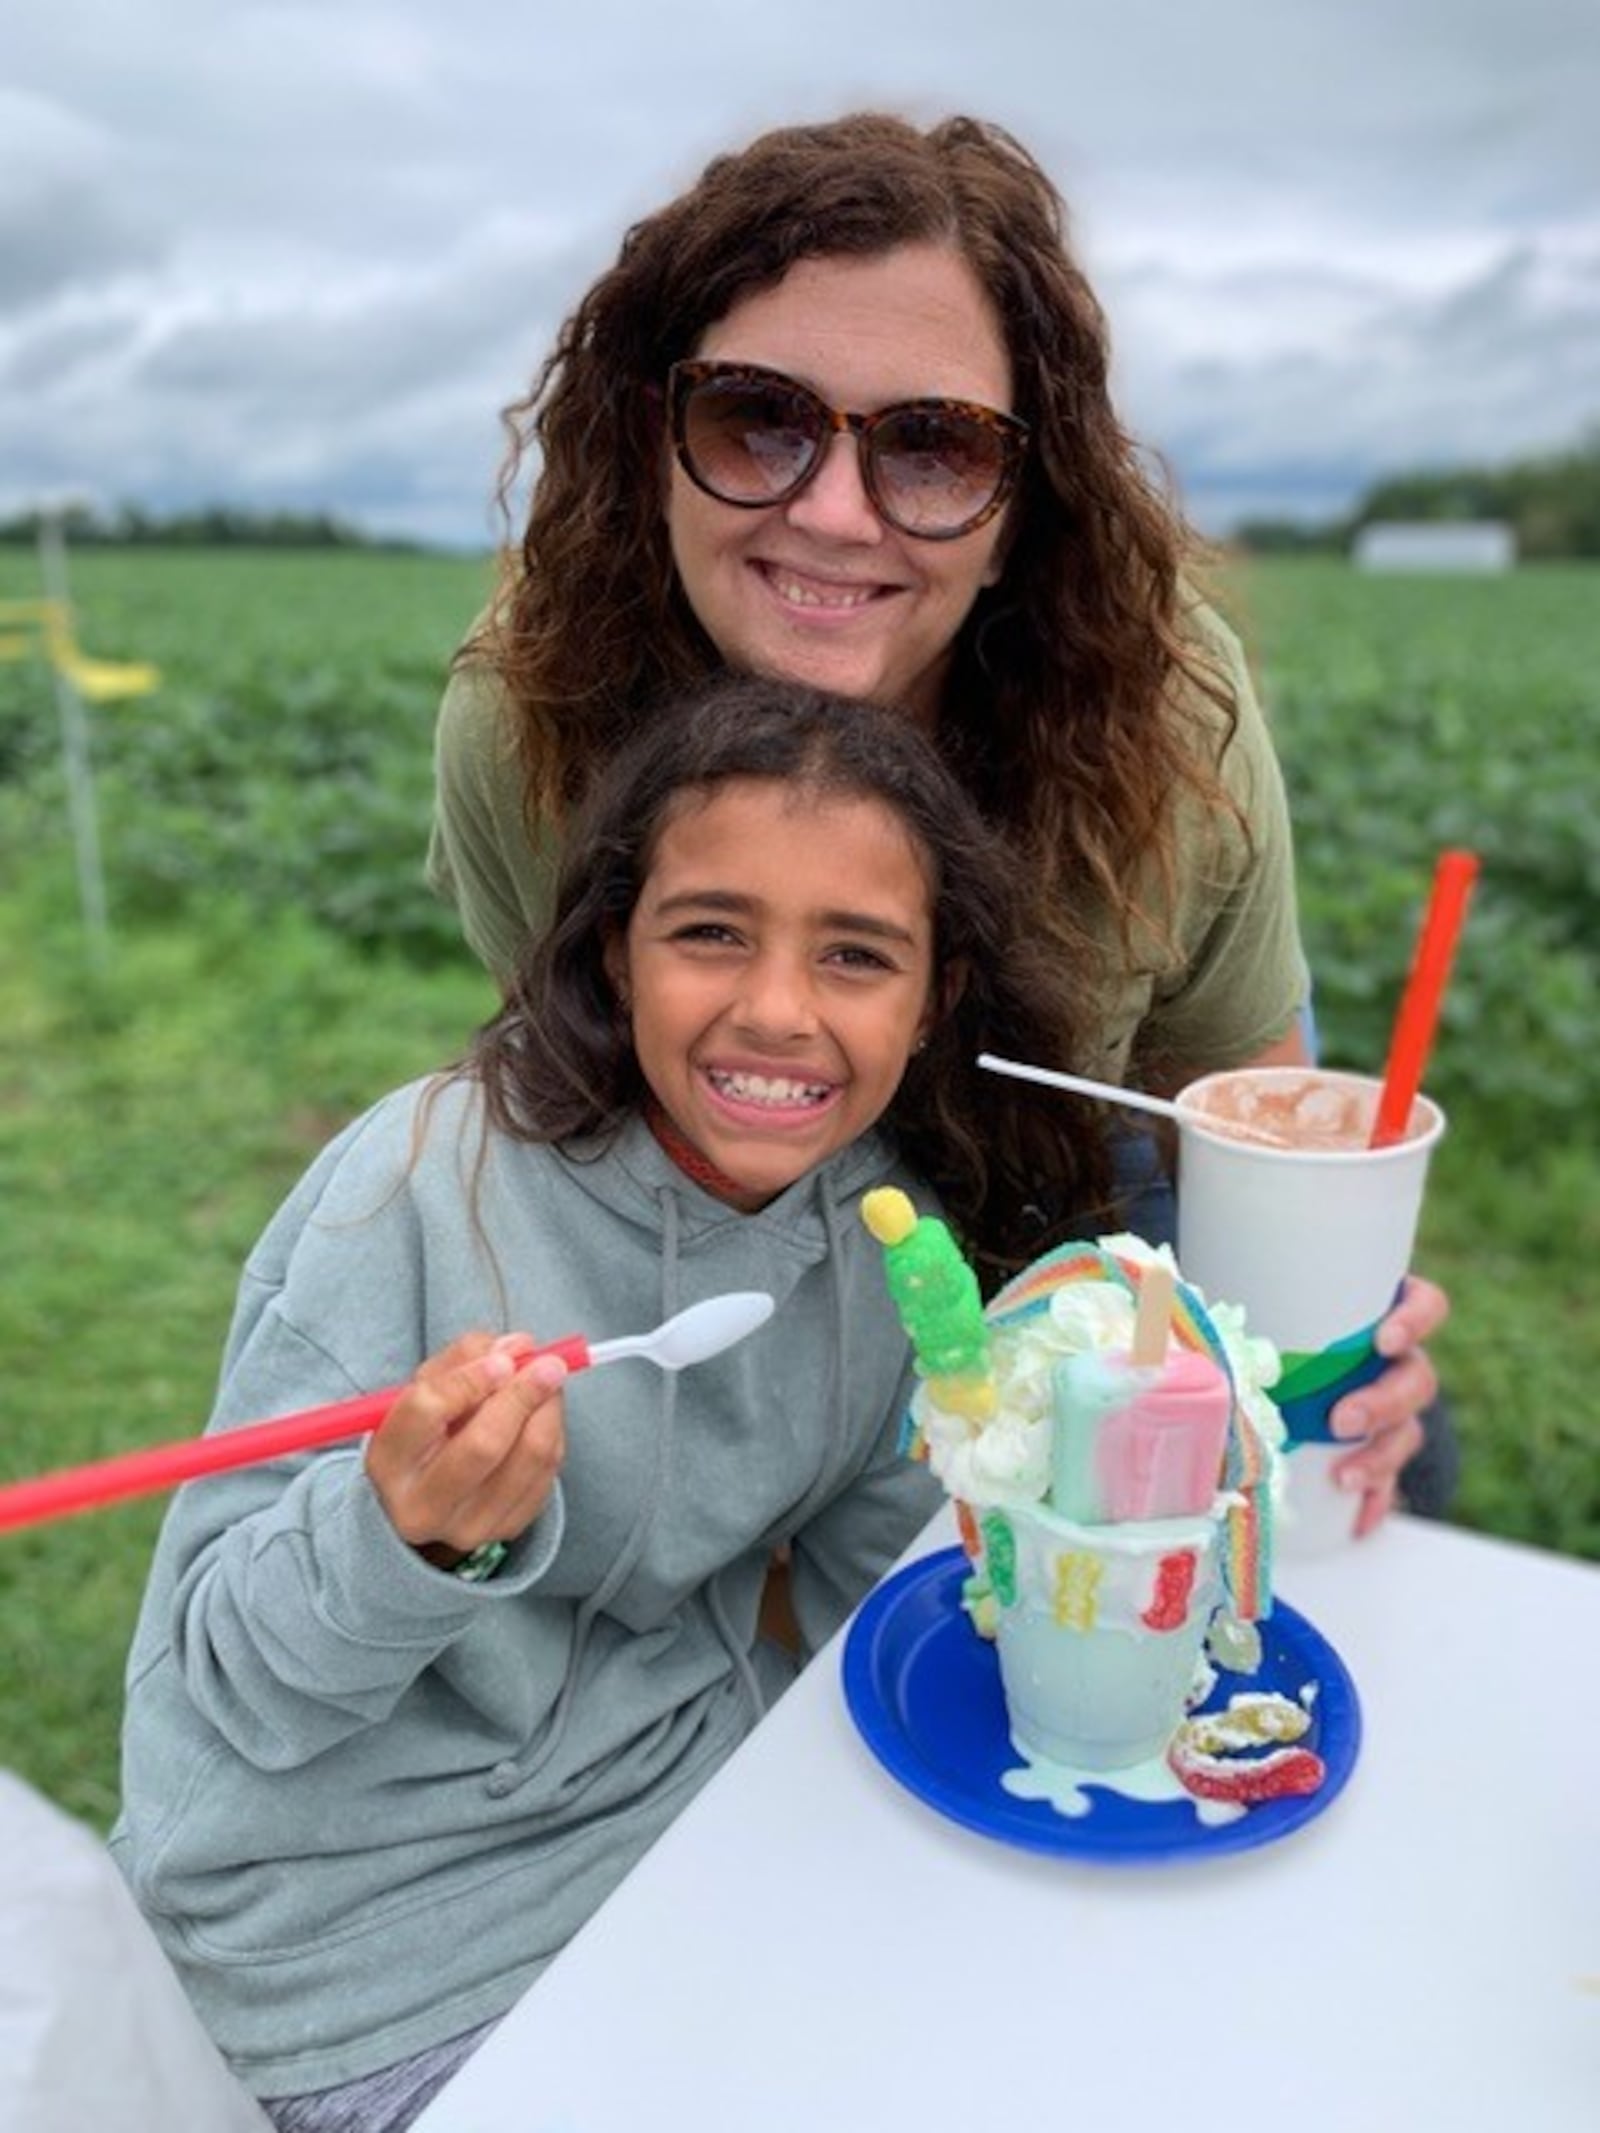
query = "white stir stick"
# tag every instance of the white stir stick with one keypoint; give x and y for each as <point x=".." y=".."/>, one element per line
<point x="1107" y="1091"/>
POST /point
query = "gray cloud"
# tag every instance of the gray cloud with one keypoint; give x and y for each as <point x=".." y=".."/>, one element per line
<point x="62" y="225"/>
<point x="1367" y="376"/>
<point x="296" y="253"/>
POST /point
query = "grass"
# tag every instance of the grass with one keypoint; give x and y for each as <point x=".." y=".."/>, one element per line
<point x="149" y="1124"/>
<point x="1412" y="714"/>
<point x="152" y="1117"/>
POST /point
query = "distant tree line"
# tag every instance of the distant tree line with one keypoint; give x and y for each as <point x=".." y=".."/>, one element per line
<point x="1552" y="504"/>
<point x="211" y="526"/>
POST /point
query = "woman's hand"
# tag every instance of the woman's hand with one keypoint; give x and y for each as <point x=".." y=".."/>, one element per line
<point x="470" y="1451"/>
<point x="1387" y="1412"/>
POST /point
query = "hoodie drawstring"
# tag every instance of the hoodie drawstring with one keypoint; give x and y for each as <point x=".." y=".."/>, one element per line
<point x="826" y="1485"/>
<point x="511" y="1775"/>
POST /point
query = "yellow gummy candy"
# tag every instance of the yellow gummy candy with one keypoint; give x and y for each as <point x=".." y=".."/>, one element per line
<point x="1248" y="1722"/>
<point x="888" y="1214"/>
<point x="1077" y="1576"/>
<point x="975" y="1399"/>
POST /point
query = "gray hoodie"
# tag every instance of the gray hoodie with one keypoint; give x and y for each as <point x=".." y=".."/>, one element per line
<point x="364" y="1801"/>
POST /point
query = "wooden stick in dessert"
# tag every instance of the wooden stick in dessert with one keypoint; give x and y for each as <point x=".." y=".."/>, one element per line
<point x="1153" y="1318"/>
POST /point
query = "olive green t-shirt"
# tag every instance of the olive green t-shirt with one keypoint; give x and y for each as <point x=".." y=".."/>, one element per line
<point x="1231" y="980"/>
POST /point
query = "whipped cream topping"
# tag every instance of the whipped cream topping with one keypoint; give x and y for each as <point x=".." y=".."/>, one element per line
<point x="1005" y="1462"/>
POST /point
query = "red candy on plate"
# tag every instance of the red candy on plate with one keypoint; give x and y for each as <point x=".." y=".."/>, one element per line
<point x="1244" y="1780"/>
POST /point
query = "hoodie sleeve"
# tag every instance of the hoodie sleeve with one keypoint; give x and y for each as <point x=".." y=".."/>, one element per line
<point x="840" y="1554"/>
<point x="305" y="1619"/>
<point x="292" y="1610"/>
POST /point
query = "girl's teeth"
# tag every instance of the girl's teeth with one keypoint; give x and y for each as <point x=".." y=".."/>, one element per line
<point x="768" y="1089"/>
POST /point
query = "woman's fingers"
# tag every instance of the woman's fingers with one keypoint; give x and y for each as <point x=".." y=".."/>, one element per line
<point x="1374" y="1468"/>
<point x="1375" y="1506"/>
<point x="1396" y="1396"/>
<point x="1421" y="1311"/>
<point x="1386" y="1414"/>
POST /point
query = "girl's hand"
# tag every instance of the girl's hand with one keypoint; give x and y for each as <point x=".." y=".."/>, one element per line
<point x="470" y="1451"/>
<point x="1387" y="1411"/>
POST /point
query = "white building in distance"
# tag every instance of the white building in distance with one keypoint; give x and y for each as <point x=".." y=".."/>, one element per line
<point x="1435" y="545"/>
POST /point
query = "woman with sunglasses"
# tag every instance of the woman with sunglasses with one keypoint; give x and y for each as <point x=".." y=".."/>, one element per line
<point x="840" y="414"/>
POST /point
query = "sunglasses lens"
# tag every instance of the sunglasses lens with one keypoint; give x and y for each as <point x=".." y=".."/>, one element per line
<point x="936" y="470"/>
<point x="747" y="441"/>
<point x="933" y="468"/>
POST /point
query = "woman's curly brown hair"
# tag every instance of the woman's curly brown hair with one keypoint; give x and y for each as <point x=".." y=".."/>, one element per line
<point x="1077" y="705"/>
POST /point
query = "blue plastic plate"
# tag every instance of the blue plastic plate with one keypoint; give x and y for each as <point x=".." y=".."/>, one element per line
<point x="924" y="1691"/>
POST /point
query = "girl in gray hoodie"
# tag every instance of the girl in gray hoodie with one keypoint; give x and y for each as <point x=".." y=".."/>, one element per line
<point x="401" y="1714"/>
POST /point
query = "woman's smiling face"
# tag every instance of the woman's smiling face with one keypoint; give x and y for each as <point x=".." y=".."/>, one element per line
<point x="820" y="589"/>
<point x="778" y="971"/>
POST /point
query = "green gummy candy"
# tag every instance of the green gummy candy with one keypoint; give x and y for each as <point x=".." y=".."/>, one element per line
<point x="1000" y="1556"/>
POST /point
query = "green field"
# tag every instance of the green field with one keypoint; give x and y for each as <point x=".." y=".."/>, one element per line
<point x="275" y="962"/>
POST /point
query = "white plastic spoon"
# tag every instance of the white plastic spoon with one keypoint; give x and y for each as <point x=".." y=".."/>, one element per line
<point x="690" y="1336"/>
<point x="703" y="1330"/>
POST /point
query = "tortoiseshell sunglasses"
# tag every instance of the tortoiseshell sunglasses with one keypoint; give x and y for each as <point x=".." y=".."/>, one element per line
<point x="750" y="437"/>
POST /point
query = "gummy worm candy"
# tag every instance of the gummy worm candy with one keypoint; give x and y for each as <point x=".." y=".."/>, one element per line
<point x="1250" y="1719"/>
<point x="967" y="1527"/>
<point x="1000" y="1557"/>
<point x="1077" y="1576"/>
<point x="1270" y="1777"/>
<point x="983" y="1609"/>
<point x="1169" y="1605"/>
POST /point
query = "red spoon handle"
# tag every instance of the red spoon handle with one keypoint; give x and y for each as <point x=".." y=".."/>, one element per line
<point x="163" y="1466"/>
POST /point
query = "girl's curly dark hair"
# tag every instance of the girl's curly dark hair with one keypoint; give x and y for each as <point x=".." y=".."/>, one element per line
<point x="557" y="1061"/>
<point x="1078" y="702"/>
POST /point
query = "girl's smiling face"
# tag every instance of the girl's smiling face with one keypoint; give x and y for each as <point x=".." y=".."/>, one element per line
<point x="778" y="971"/>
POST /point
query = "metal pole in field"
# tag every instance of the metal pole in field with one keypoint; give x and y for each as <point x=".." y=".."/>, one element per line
<point x="76" y="759"/>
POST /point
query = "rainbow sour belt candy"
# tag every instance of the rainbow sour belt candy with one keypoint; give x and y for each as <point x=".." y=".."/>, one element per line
<point x="936" y="1295"/>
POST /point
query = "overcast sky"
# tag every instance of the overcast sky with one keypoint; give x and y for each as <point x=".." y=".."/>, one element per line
<point x="300" y="255"/>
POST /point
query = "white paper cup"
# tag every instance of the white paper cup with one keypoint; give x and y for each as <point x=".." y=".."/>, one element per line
<point x="1315" y="1515"/>
<point x="1314" y="1243"/>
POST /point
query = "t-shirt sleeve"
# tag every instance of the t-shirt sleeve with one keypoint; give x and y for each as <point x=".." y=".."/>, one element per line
<point x="481" y="856"/>
<point x="1241" y="978"/>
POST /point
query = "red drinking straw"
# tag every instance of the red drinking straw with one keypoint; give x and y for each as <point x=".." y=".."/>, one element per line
<point x="163" y="1466"/>
<point x="1419" y="1005"/>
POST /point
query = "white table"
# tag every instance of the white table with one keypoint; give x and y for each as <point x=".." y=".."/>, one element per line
<point x="811" y="1947"/>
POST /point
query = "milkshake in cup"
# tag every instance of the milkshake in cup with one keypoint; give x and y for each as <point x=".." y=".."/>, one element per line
<point x="1284" y="1208"/>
